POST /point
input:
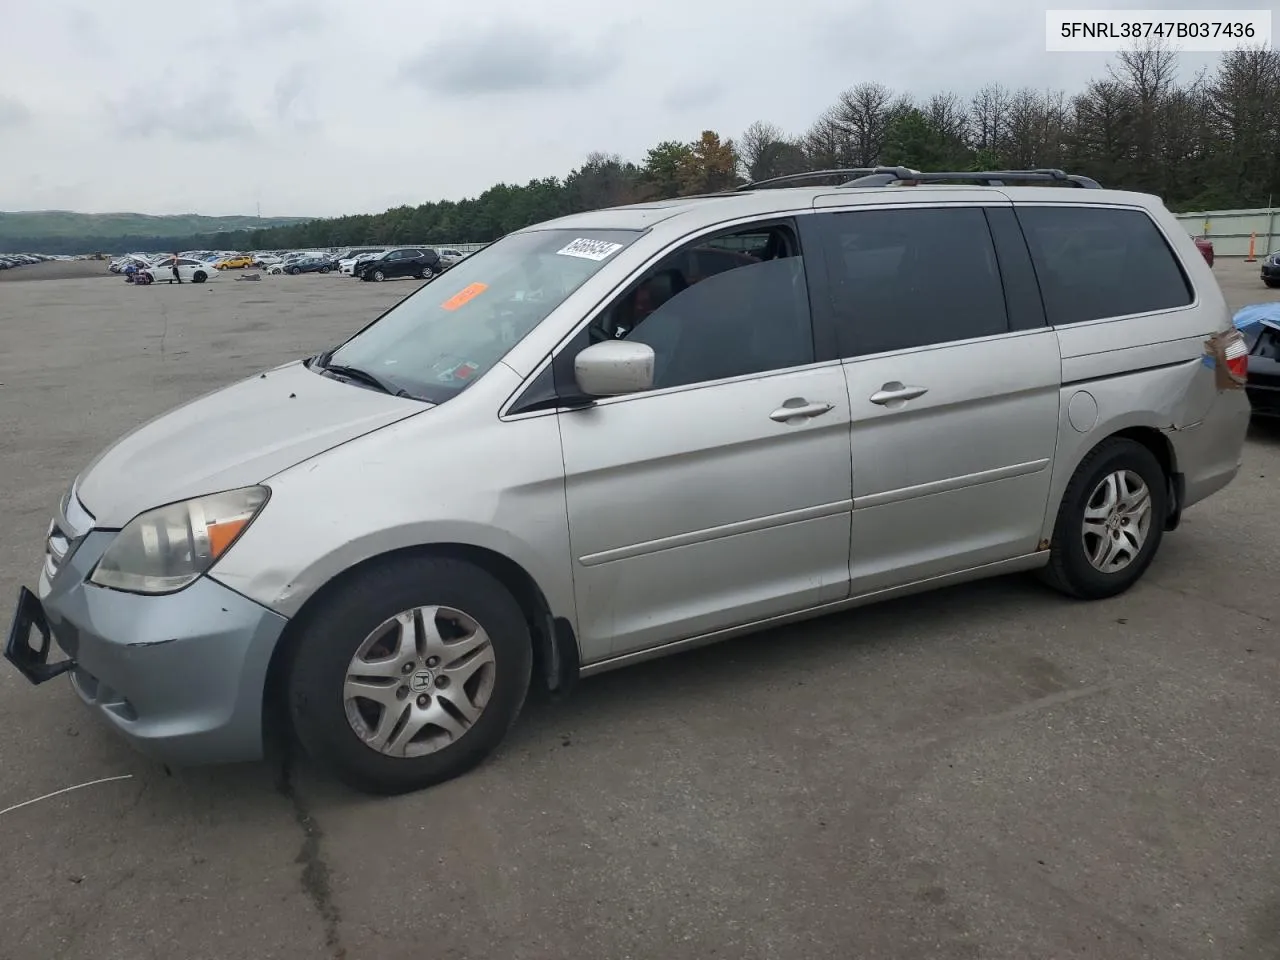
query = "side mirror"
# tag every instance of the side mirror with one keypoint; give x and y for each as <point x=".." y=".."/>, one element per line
<point x="613" y="368"/>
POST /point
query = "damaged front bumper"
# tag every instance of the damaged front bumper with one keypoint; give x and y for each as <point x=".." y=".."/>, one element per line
<point x="180" y="676"/>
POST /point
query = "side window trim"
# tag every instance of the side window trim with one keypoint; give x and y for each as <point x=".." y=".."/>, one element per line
<point x="530" y="398"/>
<point x="1023" y="298"/>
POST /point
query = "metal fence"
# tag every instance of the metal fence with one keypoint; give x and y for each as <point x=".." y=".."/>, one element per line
<point x="1231" y="230"/>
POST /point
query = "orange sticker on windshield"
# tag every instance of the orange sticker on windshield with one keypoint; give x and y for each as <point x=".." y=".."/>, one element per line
<point x="465" y="295"/>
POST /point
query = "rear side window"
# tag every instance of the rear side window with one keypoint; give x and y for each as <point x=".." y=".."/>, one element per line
<point x="911" y="278"/>
<point x="1098" y="262"/>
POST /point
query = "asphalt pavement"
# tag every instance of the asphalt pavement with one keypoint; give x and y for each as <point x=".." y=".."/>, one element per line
<point x="990" y="771"/>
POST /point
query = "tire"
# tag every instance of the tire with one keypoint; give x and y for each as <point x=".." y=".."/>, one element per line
<point x="422" y="274"/>
<point x="1070" y="569"/>
<point x="324" y="269"/>
<point x="378" y="276"/>
<point x="199" y="277"/>
<point x="1272" y="283"/>
<point x="345" y="621"/>
<point x="294" y="271"/>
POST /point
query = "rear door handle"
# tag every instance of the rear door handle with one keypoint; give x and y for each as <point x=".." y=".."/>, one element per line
<point x="797" y="408"/>
<point x="897" y="391"/>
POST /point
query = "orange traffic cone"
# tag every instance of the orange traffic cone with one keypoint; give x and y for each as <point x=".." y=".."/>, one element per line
<point x="1251" y="258"/>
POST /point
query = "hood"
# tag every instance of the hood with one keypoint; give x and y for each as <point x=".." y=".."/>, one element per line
<point x="237" y="436"/>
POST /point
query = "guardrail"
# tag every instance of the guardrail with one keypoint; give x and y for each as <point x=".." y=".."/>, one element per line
<point x="1231" y="230"/>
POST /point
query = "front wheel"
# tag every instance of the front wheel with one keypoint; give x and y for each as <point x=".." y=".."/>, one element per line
<point x="324" y="269"/>
<point x="1271" y="283"/>
<point x="1110" y="523"/>
<point x="379" y="276"/>
<point x="409" y="674"/>
<point x="294" y="271"/>
<point x="199" y="277"/>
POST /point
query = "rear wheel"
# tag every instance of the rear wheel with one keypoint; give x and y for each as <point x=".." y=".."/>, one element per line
<point x="1110" y="523"/>
<point x="410" y="674"/>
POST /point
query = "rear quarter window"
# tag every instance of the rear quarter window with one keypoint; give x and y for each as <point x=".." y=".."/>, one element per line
<point x="1097" y="262"/>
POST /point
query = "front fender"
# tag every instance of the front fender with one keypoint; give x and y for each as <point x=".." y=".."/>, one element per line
<point x="455" y="474"/>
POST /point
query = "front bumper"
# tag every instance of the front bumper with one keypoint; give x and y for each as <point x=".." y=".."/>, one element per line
<point x="1270" y="271"/>
<point x="181" y="676"/>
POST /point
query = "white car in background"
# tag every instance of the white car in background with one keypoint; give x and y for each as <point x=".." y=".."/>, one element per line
<point x="190" y="270"/>
<point x="347" y="267"/>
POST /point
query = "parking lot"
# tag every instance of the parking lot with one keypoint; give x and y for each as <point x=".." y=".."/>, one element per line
<point x="990" y="771"/>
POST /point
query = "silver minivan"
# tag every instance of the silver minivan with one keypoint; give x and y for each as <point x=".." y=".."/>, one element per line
<point x="628" y="432"/>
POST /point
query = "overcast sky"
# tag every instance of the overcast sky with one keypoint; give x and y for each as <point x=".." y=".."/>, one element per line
<point x="324" y="107"/>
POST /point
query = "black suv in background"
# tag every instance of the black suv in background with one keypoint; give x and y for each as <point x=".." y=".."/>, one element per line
<point x="1271" y="269"/>
<point x="403" y="262"/>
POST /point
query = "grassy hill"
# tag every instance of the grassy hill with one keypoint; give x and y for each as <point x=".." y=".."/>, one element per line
<point x="65" y="225"/>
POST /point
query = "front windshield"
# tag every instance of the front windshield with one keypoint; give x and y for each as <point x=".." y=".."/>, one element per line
<point x="448" y="334"/>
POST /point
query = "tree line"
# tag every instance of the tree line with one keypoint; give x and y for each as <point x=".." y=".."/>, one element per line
<point x="1211" y="141"/>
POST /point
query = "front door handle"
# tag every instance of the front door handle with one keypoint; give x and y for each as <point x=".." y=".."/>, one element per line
<point x="896" y="391"/>
<point x="798" y="408"/>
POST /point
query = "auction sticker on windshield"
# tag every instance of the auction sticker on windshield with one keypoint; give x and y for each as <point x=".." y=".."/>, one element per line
<point x="465" y="295"/>
<point x="590" y="249"/>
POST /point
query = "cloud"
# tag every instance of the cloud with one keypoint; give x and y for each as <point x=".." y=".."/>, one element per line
<point x="507" y="58"/>
<point x="292" y="100"/>
<point x="190" y="118"/>
<point x="693" y="96"/>
<point x="13" y="113"/>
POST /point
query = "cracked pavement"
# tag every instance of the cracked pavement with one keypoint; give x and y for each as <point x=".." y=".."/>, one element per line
<point x="989" y="771"/>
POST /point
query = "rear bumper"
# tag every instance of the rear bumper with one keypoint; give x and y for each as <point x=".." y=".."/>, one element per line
<point x="1210" y="453"/>
<point x="181" y="677"/>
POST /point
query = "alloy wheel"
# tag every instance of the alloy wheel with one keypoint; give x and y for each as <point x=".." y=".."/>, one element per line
<point x="1117" y="519"/>
<point x="419" y="681"/>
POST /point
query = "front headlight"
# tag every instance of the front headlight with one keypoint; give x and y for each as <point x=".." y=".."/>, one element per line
<point x="166" y="549"/>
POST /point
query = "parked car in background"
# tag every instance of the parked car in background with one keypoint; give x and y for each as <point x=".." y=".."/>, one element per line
<point x="308" y="264"/>
<point x="1259" y="323"/>
<point x="190" y="270"/>
<point x="237" y="262"/>
<point x="1205" y="246"/>
<point x="347" y="265"/>
<point x="416" y="262"/>
<point x="264" y="260"/>
<point x="1271" y="269"/>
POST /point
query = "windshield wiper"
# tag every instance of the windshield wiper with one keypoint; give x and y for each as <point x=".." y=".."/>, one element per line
<point x="367" y="378"/>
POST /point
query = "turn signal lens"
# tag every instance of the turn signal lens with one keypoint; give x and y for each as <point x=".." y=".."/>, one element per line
<point x="166" y="549"/>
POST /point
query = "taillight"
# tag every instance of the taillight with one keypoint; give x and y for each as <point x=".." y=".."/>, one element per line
<point x="1237" y="354"/>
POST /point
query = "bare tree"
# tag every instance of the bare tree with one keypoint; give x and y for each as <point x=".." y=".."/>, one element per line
<point x="988" y="118"/>
<point x="825" y="143"/>
<point x="863" y="114"/>
<point x="949" y="116"/>
<point x="754" y="146"/>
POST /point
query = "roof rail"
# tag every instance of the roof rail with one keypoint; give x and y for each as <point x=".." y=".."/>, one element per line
<point x="808" y="175"/>
<point x="883" y="176"/>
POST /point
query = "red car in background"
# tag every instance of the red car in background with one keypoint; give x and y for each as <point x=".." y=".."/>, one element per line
<point x="1206" y="249"/>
